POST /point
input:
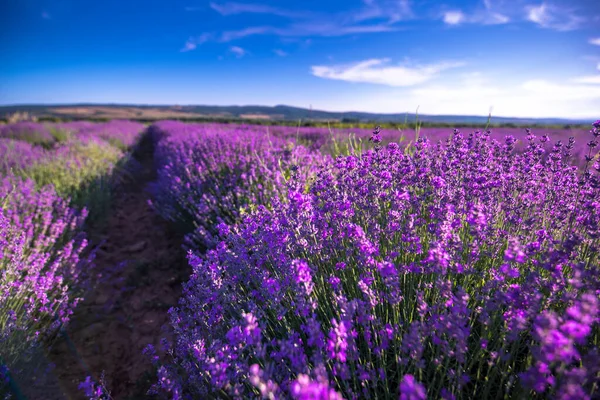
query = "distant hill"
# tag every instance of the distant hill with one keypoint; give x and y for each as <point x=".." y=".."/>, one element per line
<point x="254" y="112"/>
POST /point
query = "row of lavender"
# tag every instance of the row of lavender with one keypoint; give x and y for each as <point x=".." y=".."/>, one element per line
<point x="213" y="174"/>
<point x="345" y="141"/>
<point x="49" y="176"/>
<point x="457" y="269"/>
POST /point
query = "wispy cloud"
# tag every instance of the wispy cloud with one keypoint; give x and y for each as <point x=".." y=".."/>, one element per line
<point x="46" y="15"/>
<point x="564" y="91"/>
<point x="240" y="8"/>
<point x="391" y="11"/>
<point x="280" y="52"/>
<point x="238" y="51"/>
<point x="595" y="41"/>
<point x="553" y="17"/>
<point x="486" y="15"/>
<point x="228" y="36"/>
<point x="494" y="13"/>
<point x="454" y="17"/>
<point x="307" y="29"/>
<point x="189" y="46"/>
<point x="474" y="93"/>
<point x="190" y="8"/>
<point x="377" y="71"/>
<point x="592" y="79"/>
<point x="193" y="42"/>
<point x="374" y="17"/>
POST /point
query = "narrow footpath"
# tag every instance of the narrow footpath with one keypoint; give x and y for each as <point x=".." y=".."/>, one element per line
<point x="128" y="309"/>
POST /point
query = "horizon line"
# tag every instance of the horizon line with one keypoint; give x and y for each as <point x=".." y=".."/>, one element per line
<point x="284" y="105"/>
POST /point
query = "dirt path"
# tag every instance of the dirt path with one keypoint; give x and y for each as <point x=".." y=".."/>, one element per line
<point x="128" y="310"/>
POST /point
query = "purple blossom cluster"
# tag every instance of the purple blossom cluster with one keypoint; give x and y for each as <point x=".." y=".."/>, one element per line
<point x="19" y="155"/>
<point x="42" y="267"/>
<point x="120" y="133"/>
<point x="32" y="132"/>
<point x="459" y="269"/>
<point x="94" y="390"/>
<point x="210" y="174"/>
<point x="81" y="154"/>
<point x="44" y="260"/>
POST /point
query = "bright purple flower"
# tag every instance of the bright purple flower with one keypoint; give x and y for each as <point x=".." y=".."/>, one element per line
<point x="337" y="343"/>
<point x="410" y="389"/>
<point x="305" y="389"/>
<point x="303" y="275"/>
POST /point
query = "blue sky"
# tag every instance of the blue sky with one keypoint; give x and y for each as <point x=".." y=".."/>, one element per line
<point x="521" y="57"/>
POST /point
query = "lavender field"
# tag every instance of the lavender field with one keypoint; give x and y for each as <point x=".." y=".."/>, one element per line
<point x="198" y="261"/>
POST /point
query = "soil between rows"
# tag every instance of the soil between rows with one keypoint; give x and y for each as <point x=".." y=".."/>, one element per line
<point x="128" y="309"/>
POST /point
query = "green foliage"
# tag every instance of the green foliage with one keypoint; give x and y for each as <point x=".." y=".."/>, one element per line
<point x="60" y="135"/>
<point x="83" y="174"/>
<point x="117" y="143"/>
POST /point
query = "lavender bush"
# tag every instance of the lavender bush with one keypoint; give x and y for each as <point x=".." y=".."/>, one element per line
<point x="45" y="193"/>
<point x="81" y="165"/>
<point x="41" y="265"/>
<point x="122" y="134"/>
<point x="18" y="155"/>
<point x="208" y="174"/>
<point x="32" y="132"/>
<point x="457" y="270"/>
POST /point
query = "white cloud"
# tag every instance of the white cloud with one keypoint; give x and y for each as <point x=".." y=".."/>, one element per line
<point x="228" y="36"/>
<point x="390" y="10"/>
<point x="240" y="8"/>
<point x="189" y="46"/>
<point x="193" y="42"/>
<point x="592" y="79"/>
<point x="595" y="41"/>
<point x="486" y="16"/>
<point x="375" y="71"/>
<point x="306" y="29"/>
<point x="454" y="17"/>
<point x="562" y="91"/>
<point x="537" y="14"/>
<point x="280" y="52"/>
<point x="238" y="51"/>
<point x="473" y="94"/>
<point x="496" y="18"/>
<point x="374" y="17"/>
<point x="553" y="17"/>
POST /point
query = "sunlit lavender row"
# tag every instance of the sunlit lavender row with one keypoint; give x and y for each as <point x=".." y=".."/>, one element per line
<point x="212" y="174"/>
<point x="454" y="269"/>
<point x="52" y="177"/>
<point x="329" y="263"/>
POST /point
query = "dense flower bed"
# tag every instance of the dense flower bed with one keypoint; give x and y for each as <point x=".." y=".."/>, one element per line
<point x="120" y="133"/>
<point x="32" y="132"/>
<point x="41" y="264"/>
<point x="208" y="174"/>
<point x="462" y="269"/>
<point x="49" y="190"/>
<point x="19" y="155"/>
<point x="80" y="163"/>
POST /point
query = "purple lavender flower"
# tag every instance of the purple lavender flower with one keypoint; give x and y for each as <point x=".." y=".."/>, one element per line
<point x="305" y="389"/>
<point x="451" y="258"/>
<point x="410" y="389"/>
